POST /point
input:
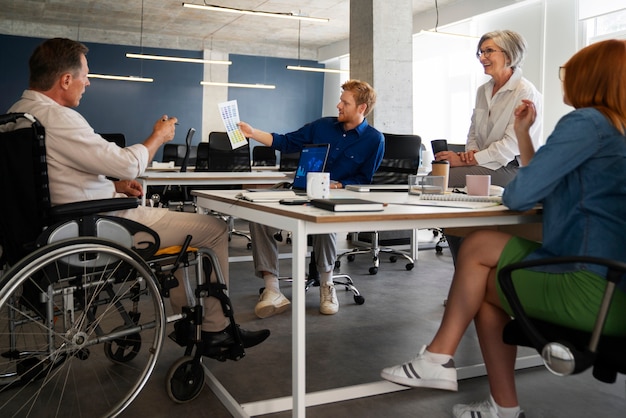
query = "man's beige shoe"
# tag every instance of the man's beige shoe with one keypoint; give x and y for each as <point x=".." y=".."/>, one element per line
<point x="271" y="303"/>
<point x="329" y="305"/>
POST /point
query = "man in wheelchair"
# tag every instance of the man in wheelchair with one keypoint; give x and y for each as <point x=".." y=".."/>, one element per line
<point x="79" y="162"/>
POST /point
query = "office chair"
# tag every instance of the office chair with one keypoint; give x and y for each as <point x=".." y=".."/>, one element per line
<point x="564" y="350"/>
<point x="401" y="158"/>
<point x="184" y="156"/>
<point x="217" y="155"/>
<point x="288" y="161"/>
<point x="81" y="300"/>
<point x="263" y="156"/>
<point x="119" y="139"/>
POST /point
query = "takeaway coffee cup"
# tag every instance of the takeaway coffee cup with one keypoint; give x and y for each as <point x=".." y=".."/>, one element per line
<point x="477" y="184"/>
<point x="318" y="185"/>
<point x="441" y="168"/>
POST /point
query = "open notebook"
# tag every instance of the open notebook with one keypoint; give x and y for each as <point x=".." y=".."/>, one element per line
<point x="313" y="159"/>
<point x="457" y="200"/>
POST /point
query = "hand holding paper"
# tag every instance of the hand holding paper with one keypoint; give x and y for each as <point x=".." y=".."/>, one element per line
<point x="230" y="116"/>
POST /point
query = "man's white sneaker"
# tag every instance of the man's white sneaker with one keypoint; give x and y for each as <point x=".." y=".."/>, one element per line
<point x="329" y="305"/>
<point x="421" y="372"/>
<point x="271" y="303"/>
<point x="484" y="409"/>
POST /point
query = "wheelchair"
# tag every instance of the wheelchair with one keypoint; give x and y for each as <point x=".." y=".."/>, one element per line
<point x="82" y="318"/>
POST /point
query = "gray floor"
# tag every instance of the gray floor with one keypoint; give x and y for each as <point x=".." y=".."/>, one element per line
<point x="401" y="312"/>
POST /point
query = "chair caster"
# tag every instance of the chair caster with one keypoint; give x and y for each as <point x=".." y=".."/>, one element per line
<point x="249" y="246"/>
<point x="393" y="259"/>
<point x="409" y="266"/>
<point x="337" y="265"/>
<point x="351" y="257"/>
<point x="184" y="380"/>
<point x="438" y="249"/>
<point x="359" y="300"/>
<point x="373" y="270"/>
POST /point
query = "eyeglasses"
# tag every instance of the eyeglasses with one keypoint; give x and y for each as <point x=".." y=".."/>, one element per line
<point x="562" y="73"/>
<point x="486" y="53"/>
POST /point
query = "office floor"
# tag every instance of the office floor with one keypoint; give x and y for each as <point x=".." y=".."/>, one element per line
<point x="401" y="312"/>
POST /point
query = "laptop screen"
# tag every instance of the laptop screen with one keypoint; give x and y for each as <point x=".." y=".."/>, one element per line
<point x="312" y="159"/>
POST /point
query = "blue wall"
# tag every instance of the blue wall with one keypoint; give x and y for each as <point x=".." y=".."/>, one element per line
<point x="119" y="106"/>
<point x="132" y="108"/>
<point x="297" y="99"/>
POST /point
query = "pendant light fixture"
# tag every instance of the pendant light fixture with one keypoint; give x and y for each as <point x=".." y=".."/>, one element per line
<point x="312" y="69"/>
<point x="213" y="8"/>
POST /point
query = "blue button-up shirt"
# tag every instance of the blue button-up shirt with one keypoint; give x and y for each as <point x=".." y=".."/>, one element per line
<point x="580" y="177"/>
<point x="354" y="155"/>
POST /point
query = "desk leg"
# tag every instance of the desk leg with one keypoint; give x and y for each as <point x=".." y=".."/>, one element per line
<point x="298" y="360"/>
<point x="144" y="187"/>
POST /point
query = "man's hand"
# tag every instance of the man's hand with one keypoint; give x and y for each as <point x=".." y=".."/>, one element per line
<point x="131" y="188"/>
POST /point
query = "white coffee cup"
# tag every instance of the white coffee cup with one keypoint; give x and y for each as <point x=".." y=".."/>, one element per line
<point x="477" y="184"/>
<point x="318" y="185"/>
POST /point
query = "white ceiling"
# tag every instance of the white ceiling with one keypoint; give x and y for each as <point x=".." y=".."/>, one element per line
<point x="167" y="24"/>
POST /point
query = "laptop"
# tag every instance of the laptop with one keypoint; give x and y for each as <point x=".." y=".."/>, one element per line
<point x="313" y="159"/>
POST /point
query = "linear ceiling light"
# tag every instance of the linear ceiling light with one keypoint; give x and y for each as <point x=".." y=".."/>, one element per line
<point x="255" y="13"/>
<point x="448" y="34"/>
<point x="176" y="59"/>
<point x="121" y="77"/>
<point x="249" y="86"/>
<point x="317" y="70"/>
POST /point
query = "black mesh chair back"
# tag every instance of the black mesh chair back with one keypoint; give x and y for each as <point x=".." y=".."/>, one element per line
<point x="401" y="158"/>
<point x="119" y="139"/>
<point x="24" y="179"/>
<point x="218" y="155"/>
<point x="173" y="152"/>
<point x="263" y="156"/>
<point x="289" y="162"/>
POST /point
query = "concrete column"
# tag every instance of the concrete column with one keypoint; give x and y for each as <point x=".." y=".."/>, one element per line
<point x="381" y="53"/>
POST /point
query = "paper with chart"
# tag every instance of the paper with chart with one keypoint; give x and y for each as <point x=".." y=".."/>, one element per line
<point x="230" y="116"/>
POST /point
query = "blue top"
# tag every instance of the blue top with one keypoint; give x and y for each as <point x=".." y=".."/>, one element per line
<point x="580" y="177"/>
<point x="354" y="155"/>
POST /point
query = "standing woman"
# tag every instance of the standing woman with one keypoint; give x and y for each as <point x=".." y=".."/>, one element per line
<point x="491" y="146"/>
<point x="578" y="176"/>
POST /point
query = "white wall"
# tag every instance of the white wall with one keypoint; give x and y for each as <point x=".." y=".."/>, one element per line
<point x="549" y="26"/>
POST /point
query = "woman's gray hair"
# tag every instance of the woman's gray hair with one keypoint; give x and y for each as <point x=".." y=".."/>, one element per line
<point x="512" y="43"/>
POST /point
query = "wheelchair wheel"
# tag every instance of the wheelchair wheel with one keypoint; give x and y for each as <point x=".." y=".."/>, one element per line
<point x="184" y="380"/>
<point x="59" y="304"/>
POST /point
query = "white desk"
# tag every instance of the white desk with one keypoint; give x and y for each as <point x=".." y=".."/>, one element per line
<point x="243" y="178"/>
<point x="305" y="220"/>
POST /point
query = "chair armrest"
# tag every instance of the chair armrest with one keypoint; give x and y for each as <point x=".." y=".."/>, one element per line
<point x="90" y="207"/>
<point x="616" y="270"/>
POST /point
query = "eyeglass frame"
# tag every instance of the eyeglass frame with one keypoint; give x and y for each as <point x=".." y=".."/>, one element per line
<point x="487" y="52"/>
<point x="562" y="73"/>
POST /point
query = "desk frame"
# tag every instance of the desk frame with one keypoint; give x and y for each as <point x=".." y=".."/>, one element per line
<point x="303" y="221"/>
<point x="198" y="178"/>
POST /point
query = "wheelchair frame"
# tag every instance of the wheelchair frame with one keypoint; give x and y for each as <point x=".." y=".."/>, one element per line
<point x="73" y="293"/>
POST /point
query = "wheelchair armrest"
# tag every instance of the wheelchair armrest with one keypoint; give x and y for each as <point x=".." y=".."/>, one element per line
<point x="616" y="270"/>
<point x="90" y="207"/>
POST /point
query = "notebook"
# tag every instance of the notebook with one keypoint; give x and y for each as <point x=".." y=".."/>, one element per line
<point x="313" y="159"/>
<point x="458" y="200"/>
<point x="377" y="187"/>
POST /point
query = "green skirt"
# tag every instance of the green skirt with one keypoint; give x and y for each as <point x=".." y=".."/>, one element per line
<point x="567" y="299"/>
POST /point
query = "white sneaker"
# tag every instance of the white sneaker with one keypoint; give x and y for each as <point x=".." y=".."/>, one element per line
<point x="271" y="303"/>
<point x="329" y="305"/>
<point x="484" y="409"/>
<point x="421" y="372"/>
